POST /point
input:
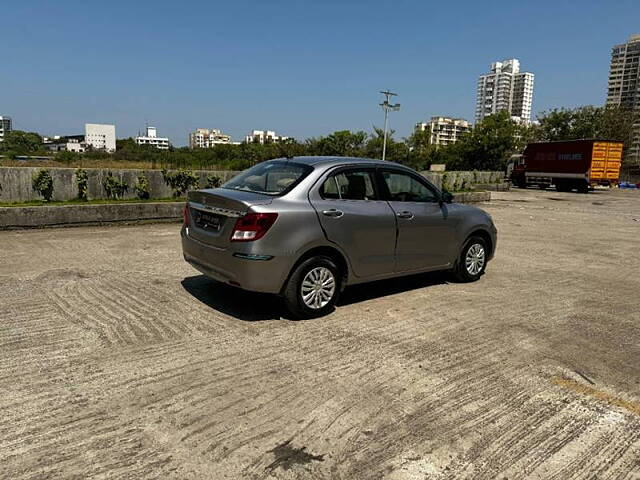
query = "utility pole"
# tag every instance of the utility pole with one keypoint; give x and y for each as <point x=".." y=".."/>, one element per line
<point x="387" y="106"/>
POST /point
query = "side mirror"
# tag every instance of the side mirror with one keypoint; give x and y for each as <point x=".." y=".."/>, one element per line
<point x="446" y="197"/>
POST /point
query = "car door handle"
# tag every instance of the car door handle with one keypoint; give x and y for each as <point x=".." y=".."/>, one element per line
<point x="405" y="214"/>
<point x="333" y="213"/>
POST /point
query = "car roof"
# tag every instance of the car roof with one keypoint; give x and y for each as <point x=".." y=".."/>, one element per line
<point x="332" y="160"/>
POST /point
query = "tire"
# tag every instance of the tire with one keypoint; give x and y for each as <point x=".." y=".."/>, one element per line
<point x="319" y="277"/>
<point x="473" y="248"/>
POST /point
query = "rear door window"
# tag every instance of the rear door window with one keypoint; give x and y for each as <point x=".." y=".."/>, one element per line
<point x="349" y="185"/>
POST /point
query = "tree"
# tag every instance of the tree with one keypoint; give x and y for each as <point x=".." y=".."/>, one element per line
<point x="396" y="151"/>
<point x="339" y="143"/>
<point x="421" y="151"/>
<point x="21" y="142"/>
<point x="608" y="123"/>
<point x="488" y="146"/>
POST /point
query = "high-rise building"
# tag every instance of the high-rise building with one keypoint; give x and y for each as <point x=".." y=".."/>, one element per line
<point x="100" y="137"/>
<point x="264" y="136"/>
<point x="206" y="138"/>
<point x="624" y="86"/>
<point x="5" y="126"/>
<point x="444" y="130"/>
<point x="505" y="88"/>
<point x="151" y="138"/>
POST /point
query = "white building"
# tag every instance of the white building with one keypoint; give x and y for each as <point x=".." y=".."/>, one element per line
<point x="100" y="137"/>
<point x="444" y="130"/>
<point x="624" y="85"/>
<point x="206" y="138"/>
<point x="264" y="136"/>
<point x="62" y="144"/>
<point x="505" y="88"/>
<point x="5" y="126"/>
<point x="151" y="138"/>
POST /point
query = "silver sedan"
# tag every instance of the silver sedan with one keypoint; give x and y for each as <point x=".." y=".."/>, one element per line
<point x="307" y="227"/>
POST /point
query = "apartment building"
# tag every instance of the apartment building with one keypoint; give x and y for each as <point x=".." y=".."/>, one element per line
<point x="100" y="137"/>
<point x="264" y="136"/>
<point x="206" y="138"/>
<point x="505" y="88"/>
<point x="445" y="130"/>
<point x="624" y="85"/>
<point x="5" y="126"/>
<point x="151" y="138"/>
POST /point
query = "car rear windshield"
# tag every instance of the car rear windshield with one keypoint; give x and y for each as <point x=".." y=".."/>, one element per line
<point x="271" y="178"/>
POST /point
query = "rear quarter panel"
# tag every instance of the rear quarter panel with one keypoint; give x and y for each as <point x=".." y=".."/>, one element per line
<point x="296" y="231"/>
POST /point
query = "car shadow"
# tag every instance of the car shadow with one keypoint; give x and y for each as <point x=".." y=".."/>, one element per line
<point x="254" y="307"/>
<point x="235" y="302"/>
<point x="392" y="286"/>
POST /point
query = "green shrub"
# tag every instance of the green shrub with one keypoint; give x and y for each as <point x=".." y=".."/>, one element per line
<point x="43" y="184"/>
<point x="66" y="157"/>
<point x="142" y="187"/>
<point x="446" y="185"/>
<point x="115" y="188"/>
<point x="82" y="183"/>
<point x="180" y="181"/>
<point x="213" y="181"/>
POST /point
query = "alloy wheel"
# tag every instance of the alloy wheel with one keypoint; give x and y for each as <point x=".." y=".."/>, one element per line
<point x="318" y="287"/>
<point x="475" y="259"/>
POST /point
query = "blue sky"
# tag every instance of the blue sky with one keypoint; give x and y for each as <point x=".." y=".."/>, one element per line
<point x="302" y="68"/>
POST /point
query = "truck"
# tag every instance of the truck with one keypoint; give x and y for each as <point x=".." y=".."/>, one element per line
<point x="569" y="165"/>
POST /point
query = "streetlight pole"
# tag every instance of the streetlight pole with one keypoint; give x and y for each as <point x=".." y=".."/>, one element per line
<point x="387" y="106"/>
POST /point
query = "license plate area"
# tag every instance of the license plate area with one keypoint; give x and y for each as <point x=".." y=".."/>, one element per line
<point x="207" y="221"/>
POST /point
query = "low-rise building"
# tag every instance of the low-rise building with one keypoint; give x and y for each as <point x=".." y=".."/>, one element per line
<point x="264" y="136"/>
<point x="208" y="137"/>
<point x="444" y="130"/>
<point x="151" y="138"/>
<point x="5" y="126"/>
<point x="65" y="144"/>
<point x="100" y="137"/>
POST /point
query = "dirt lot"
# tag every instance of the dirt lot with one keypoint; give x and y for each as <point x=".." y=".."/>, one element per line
<point x="117" y="360"/>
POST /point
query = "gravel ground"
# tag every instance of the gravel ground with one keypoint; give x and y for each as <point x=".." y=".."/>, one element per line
<point x="117" y="360"/>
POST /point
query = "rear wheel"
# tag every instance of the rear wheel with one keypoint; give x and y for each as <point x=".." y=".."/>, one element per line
<point x="472" y="261"/>
<point x="313" y="288"/>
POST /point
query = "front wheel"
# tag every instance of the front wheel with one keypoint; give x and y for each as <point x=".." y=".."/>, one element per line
<point x="313" y="288"/>
<point x="472" y="261"/>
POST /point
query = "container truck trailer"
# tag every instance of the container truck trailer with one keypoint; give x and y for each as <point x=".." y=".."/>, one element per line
<point x="569" y="165"/>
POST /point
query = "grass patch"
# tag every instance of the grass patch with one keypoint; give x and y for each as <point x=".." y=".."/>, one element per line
<point x="42" y="203"/>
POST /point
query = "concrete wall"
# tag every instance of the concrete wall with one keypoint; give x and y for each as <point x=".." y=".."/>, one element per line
<point x="454" y="181"/>
<point x="77" y="215"/>
<point x="15" y="182"/>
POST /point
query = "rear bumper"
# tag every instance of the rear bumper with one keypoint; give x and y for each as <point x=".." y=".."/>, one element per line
<point x="264" y="274"/>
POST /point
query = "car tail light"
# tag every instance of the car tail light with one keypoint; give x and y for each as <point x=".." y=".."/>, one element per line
<point x="185" y="215"/>
<point x="252" y="226"/>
